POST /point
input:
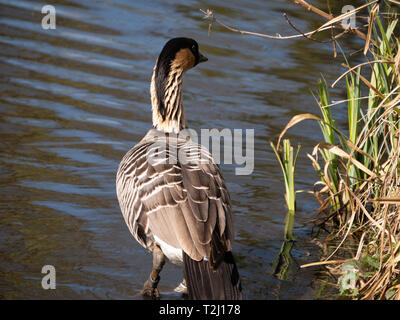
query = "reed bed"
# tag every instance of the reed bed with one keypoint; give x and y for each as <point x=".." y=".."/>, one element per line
<point x="359" y="172"/>
<point x="358" y="167"/>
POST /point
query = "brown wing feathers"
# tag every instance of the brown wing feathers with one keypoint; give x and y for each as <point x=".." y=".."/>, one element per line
<point x="185" y="205"/>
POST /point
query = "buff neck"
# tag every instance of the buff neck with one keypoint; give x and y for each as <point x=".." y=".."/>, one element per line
<point x="169" y="114"/>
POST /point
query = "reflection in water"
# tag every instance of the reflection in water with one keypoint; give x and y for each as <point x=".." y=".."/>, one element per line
<point x="75" y="99"/>
<point x="284" y="264"/>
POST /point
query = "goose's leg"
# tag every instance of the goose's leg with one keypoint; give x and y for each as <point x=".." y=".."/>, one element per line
<point x="150" y="286"/>
<point x="182" y="288"/>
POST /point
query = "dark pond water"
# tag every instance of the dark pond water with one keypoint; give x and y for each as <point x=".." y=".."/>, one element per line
<point x="75" y="99"/>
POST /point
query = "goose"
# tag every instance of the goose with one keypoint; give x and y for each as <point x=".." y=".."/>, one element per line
<point x="179" y="210"/>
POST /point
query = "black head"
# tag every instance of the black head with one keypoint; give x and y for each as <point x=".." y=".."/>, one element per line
<point x="181" y="50"/>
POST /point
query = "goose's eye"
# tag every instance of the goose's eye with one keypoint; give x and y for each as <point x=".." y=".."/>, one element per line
<point x="194" y="48"/>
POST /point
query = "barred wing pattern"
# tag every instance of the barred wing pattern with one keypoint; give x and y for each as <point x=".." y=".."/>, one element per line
<point x="184" y="203"/>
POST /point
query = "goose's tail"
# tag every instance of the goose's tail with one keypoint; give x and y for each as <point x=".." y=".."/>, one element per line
<point x="206" y="283"/>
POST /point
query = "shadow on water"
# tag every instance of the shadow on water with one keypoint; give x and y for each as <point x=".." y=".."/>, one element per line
<point x="75" y="99"/>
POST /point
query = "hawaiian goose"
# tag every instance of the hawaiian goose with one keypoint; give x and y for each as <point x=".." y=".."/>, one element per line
<point x="178" y="209"/>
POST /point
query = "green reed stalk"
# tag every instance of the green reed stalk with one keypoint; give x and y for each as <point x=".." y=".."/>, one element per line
<point x="288" y="160"/>
<point x="328" y="127"/>
<point x="354" y="110"/>
<point x="288" y="165"/>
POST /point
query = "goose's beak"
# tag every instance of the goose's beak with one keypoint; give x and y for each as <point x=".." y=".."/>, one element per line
<point x="202" y="58"/>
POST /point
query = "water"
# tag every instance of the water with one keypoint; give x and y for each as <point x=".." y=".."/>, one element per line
<point x="75" y="99"/>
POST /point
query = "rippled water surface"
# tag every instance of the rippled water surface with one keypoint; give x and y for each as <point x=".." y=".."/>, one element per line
<point x="75" y="99"/>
